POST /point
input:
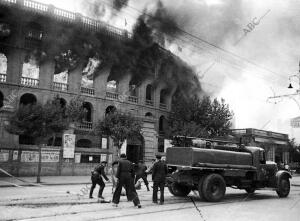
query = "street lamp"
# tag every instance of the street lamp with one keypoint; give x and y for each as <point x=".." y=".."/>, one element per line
<point x="297" y="76"/>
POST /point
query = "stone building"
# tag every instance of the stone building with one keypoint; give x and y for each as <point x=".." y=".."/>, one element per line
<point x="22" y="81"/>
<point x="275" y="144"/>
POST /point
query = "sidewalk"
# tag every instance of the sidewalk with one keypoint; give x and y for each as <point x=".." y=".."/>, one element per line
<point x="73" y="180"/>
<point x="45" y="180"/>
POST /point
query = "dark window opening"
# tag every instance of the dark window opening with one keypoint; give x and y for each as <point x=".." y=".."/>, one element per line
<point x="161" y="124"/>
<point x="27" y="140"/>
<point x="149" y="92"/>
<point x="33" y="35"/>
<point x="89" y="159"/>
<point x="57" y="142"/>
<point x="110" y="109"/>
<point x="1" y="99"/>
<point x="87" y="107"/>
<point x="163" y="96"/>
<point x="27" y="99"/>
<point x="149" y="114"/>
<point x="85" y="143"/>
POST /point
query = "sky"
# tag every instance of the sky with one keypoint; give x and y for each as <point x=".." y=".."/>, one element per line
<point x="244" y="64"/>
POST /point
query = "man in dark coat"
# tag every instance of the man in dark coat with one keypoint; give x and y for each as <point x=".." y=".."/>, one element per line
<point x="159" y="173"/>
<point x="125" y="176"/>
<point x="141" y="173"/>
<point x="96" y="178"/>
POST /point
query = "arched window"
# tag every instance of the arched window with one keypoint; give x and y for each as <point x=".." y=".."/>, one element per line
<point x="62" y="102"/>
<point x="148" y="114"/>
<point x="162" y="124"/>
<point x="88" y="109"/>
<point x="163" y="96"/>
<point x="85" y="143"/>
<point x="110" y="109"/>
<point x="133" y="90"/>
<point x="30" y="71"/>
<point x="149" y="92"/>
<point x="87" y="79"/>
<point x="27" y="99"/>
<point x="1" y="99"/>
<point x="112" y="86"/>
<point x="33" y="35"/>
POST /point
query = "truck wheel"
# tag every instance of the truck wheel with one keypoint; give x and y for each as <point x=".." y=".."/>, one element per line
<point x="179" y="190"/>
<point x="214" y="187"/>
<point x="200" y="186"/>
<point x="283" y="188"/>
<point x="250" y="190"/>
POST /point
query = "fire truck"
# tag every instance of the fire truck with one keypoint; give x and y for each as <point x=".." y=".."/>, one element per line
<point x="209" y="166"/>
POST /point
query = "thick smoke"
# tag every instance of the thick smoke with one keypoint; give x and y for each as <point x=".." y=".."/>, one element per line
<point x="119" y="4"/>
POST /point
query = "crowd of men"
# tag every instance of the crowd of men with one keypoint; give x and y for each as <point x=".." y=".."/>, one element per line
<point x="126" y="175"/>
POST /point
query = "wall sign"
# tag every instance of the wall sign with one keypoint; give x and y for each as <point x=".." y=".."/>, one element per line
<point x="29" y="156"/>
<point x="4" y="155"/>
<point x="50" y="156"/>
<point x="68" y="145"/>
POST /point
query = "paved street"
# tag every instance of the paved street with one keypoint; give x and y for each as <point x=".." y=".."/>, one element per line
<point x="61" y="202"/>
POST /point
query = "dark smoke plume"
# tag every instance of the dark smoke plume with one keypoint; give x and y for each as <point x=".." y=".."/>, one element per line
<point x="163" y="23"/>
<point x="119" y="4"/>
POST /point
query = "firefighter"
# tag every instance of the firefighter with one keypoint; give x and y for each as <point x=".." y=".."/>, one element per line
<point x="141" y="173"/>
<point x="125" y="176"/>
<point x="96" y="178"/>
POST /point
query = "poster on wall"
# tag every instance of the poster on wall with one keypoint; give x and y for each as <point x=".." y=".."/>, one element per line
<point x="103" y="157"/>
<point x="110" y="158"/>
<point x="77" y="157"/>
<point x="104" y="143"/>
<point x="124" y="147"/>
<point x="50" y="156"/>
<point x="29" y="156"/>
<point x="68" y="145"/>
<point x="167" y="144"/>
<point x="4" y="155"/>
<point x="15" y="154"/>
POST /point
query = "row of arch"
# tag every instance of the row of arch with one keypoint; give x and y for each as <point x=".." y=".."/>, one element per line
<point x="29" y="98"/>
<point x="32" y="71"/>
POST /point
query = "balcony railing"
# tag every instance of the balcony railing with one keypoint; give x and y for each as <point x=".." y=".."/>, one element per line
<point x="88" y="91"/>
<point x="85" y="125"/>
<point x="149" y="102"/>
<point x="2" y="78"/>
<point x="163" y="106"/>
<point x="29" y="82"/>
<point x="70" y="17"/>
<point x="60" y="86"/>
<point x="112" y="95"/>
<point x="133" y="99"/>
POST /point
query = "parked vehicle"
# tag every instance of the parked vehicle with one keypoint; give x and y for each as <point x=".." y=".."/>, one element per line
<point x="210" y="171"/>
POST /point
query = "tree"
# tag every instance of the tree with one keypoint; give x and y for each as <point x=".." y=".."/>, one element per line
<point x="119" y="126"/>
<point x="38" y="121"/>
<point x="196" y="117"/>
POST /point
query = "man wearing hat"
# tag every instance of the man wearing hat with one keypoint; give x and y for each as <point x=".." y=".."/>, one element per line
<point x="96" y="178"/>
<point x="159" y="173"/>
<point x="125" y="176"/>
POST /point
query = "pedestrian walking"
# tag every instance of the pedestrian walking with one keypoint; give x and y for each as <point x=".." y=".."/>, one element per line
<point x="96" y="178"/>
<point x="159" y="173"/>
<point x="125" y="176"/>
<point x="141" y="173"/>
